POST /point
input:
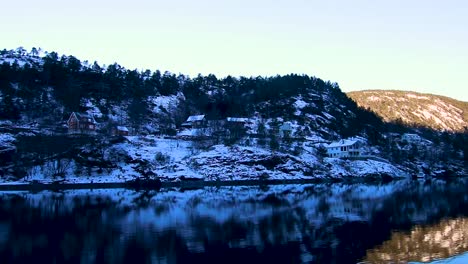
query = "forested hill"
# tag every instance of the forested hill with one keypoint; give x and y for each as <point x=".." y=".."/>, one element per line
<point x="44" y="88"/>
<point x="39" y="91"/>
<point x="411" y="108"/>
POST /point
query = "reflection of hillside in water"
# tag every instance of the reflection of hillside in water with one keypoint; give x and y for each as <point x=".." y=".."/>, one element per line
<point x="275" y="224"/>
<point x="330" y="223"/>
<point x="423" y="243"/>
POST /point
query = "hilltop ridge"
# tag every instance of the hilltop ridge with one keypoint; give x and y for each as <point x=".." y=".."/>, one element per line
<point x="412" y="108"/>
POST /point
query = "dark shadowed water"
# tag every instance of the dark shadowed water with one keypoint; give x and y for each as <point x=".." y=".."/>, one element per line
<point x="331" y="223"/>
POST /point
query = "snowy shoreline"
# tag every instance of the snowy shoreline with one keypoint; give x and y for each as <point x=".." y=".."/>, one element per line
<point x="176" y="162"/>
<point x="37" y="186"/>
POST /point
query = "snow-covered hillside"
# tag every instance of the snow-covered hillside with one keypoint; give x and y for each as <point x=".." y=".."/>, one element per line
<point x="251" y="128"/>
<point x="176" y="160"/>
<point x="428" y="110"/>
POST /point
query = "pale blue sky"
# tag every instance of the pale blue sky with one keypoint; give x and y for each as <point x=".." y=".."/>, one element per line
<point x="361" y="44"/>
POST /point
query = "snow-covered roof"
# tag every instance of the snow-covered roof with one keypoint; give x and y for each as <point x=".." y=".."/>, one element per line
<point x="195" y="118"/>
<point x="84" y="117"/>
<point x="237" y="119"/>
<point x="409" y="135"/>
<point x="122" y="128"/>
<point x="342" y="143"/>
<point x="286" y="126"/>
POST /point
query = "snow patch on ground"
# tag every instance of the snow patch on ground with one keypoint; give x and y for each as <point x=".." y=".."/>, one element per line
<point x="6" y="138"/>
<point x="166" y="102"/>
<point x="93" y="110"/>
<point x="410" y="95"/>
<point x="300" y="104"/>
<point x="363" y="168"/>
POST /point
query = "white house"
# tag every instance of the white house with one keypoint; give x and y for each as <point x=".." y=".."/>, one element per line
<point x="411" y="138"/>
<point x="345" y="148"/>
<point x="285" y="129"/>
<point x="195" y="121"/>
<point x="240" y="120"/>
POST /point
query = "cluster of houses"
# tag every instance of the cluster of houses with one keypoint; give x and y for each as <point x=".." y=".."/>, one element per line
<point x="83" y="123"/>
<point x="200" y="121"/>
<point x="354" y="148"/>
<point x="344" y="148"/>
<point x="231" y="123"/>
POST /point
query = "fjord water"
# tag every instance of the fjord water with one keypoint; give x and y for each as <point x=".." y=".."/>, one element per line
<point x="328" y="223"/>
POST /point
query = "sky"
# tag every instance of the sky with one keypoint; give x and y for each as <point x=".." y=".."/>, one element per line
<point x="418" y="45"/>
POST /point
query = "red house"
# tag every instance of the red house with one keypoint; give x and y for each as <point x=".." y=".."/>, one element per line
<point x="81" y="123"/>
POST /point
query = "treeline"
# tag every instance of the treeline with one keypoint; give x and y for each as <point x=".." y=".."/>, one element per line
<point x="31" y="82"/>
<point x="37" y="85"/>
<point x="70" y="80"/>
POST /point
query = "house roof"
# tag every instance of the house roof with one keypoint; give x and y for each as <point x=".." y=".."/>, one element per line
<point x="195" y="118"/>
<point x="237" y="119"/>
<point x="84" y="117"/>
<point x="342" y="143"/>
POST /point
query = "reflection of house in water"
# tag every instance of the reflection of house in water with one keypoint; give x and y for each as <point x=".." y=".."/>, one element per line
<point x="81" y="123"/>
<point x="423" y="243"/>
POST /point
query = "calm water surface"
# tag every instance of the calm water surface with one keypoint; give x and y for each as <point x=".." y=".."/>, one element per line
<point x="333" y="223"/>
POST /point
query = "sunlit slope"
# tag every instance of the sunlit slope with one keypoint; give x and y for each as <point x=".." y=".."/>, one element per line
<point x="433" y="111"/>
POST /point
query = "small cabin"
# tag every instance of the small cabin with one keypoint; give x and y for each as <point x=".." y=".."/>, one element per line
<point x="81" y="123"/>
<point x="345" y="148"/>
<point x="120" y="131"/>
<point x="195" y="121"/>
<point x="236" y="122"/>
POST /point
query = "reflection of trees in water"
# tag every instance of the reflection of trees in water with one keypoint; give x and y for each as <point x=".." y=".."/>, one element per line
<point x="279" y="224"/>
<point x="424" y="243"/>
<point x="47" y="233"/>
